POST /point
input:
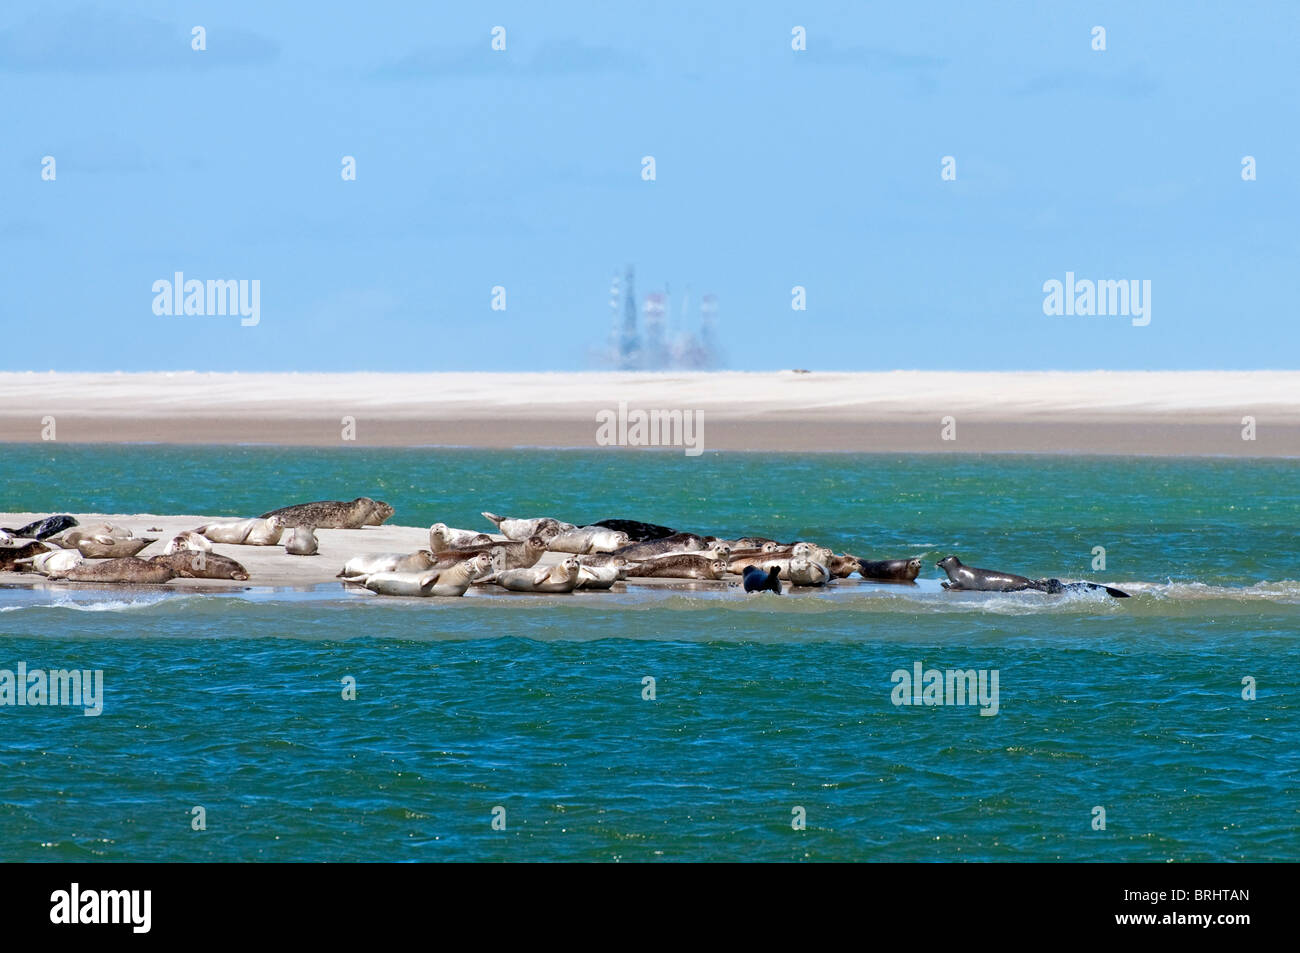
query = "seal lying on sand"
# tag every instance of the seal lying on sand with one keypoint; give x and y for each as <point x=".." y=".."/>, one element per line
<point x="806" y="572"/>
<point x="677" y="543"/>
<point x="504" y="555"/>
<point x="112" y="547"/>
<point x="190" y="542"/>
<point x="561" y="578"/>
<point x="40" y="529"/>
<point x="194" y="564"/>
<point x="679" y="566"/>
<point x="520" y="529"/>
<point x="889" y="570"/>
<point x="262" y="531"/>
<point x="452" y="581"/>
<point x="302" y="542"/>
<point x="333" y="514"/>
<point x="598" y="577"/>
<point x="419" y="561"/>
<point x="637" y="532"/>
<point x="442" y="536"/>
<point x="756" y="580"/>
<point x="588" y="539"/>
<point x="71" y="538"/>
<point x="127" y="569"/>
<point x="962" y="577"/>
<point x="57" y="560"/>
<point x="14" y="557"/>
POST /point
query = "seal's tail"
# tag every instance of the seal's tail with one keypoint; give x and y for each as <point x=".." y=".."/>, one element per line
<point x="493" y="519"/>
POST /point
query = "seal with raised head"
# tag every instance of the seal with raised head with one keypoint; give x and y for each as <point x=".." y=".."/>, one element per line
<point x="560" y="578"/>
<point x="679" y="566"/>
<point x="443" y="537"/>
<point x="758" y="580"/>
<point x="969" y="578"/>
<point x="637" y="531"/>
<point x="302" y="542"/>
<point x="196" y="564"/>
<point x="40" y="529"/>
<point x="518" y="529"/>
<point x="333" y="514"/>
<point x="843" y="565"/>
<point x="190" y="542"/>
<point x="262" y="531"/>
<point x="509" y="555"/>
<point x="126" y="569"/>
<point x="15" y="555"/>
<point x="419" y="561"/>
<point x="889" y="570"/>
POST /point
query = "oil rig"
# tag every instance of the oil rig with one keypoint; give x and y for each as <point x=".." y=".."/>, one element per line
<point x="655" y="342"/>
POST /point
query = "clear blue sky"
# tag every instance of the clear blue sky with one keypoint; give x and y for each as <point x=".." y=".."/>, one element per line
<point x="522" y="168"/>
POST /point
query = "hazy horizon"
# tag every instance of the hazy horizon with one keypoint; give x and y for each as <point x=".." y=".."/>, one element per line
<point x="522" y="169"/>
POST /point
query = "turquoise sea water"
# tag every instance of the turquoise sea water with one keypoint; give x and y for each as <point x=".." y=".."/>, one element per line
<point x="763" y="705"/>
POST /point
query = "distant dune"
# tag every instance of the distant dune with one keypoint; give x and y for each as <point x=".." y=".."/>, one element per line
<point x="1163" y="413"/>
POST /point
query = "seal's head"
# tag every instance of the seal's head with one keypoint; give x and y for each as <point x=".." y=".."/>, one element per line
<point x="948" y="562"/>
<point x="379" y="511"/>
<point x="571" y="567"/>
<point x="719" y="567"/>
<point x="480" y="564"/>
<point x="537" y="542"/>
<point x="547" y="531"/>
<point x="915" y="564"/>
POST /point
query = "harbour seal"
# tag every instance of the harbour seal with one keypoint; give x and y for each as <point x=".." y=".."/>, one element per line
<point x="588" y="539"/>
<point x="302" y="542"/>
<point x="40" y="529"/>
<point x="844" y="565"/>
<point x="333" y="514"/>
<point x="780" y="558"/>
<point x="509" y="555"/>
<point x="677" y="543"/>
<point x="756" y="580"/>
<point x="969" y="578"/>
<point x="262" y="531"/>
<point x="442" y="537"/>
<point x="603" y="560"/>
<point x="14" y="555"/>
<point x="807" y="572"/>
<point x="419" y="561"/>
<point x="451" y="581"/>
<point x="561" y="578"/>
<point x="637" y="532"/>
<point x="131" y="569"/>
<point x="679" y="566"/>
<point x="196" y="564"/>
<point x="519" y="529"/>
<point x="56" y="560"/>
<point x="598" y="577"/>
<point x="113" y="547"/>
<point x="70" y="539"/>
<point x="190" y="542"/>
<point x="889" y="570"/>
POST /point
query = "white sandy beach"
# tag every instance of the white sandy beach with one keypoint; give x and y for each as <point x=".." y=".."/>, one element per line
<point x="1170" y="413"/>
